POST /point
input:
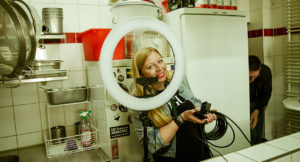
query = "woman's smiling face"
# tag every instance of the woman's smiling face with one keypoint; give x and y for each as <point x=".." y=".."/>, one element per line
<point x="154" y="66"/>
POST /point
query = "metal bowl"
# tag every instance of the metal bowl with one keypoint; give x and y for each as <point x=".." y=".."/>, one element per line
<point x="64" y="96"/>
<point x="46" y="64"/>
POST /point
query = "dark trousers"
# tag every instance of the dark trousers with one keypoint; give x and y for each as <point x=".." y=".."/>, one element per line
<point x="257" y="132"/>
<point x="162" y="159"/>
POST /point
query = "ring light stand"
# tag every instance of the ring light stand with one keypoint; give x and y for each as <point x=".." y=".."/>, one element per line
<point x="145" y="82"/>
<point x="144" y="103"/>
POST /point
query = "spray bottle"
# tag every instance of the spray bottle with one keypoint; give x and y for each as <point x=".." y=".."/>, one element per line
<point x="86" y="136"/>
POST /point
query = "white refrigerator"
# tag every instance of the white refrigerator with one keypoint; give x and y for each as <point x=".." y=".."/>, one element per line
<point x="215" y="45"/>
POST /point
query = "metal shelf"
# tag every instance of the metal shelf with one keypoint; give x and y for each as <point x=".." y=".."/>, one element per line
<point x="62" y="36"/>
<point x="69" y="104"/>
<point x="33" y="80"/>
<point x="127" y="62"/>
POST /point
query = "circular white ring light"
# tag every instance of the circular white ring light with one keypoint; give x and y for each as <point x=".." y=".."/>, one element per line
<point x="106" y="57"/>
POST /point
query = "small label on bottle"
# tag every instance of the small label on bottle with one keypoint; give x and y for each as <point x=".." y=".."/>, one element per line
<point x="86" y="138"/>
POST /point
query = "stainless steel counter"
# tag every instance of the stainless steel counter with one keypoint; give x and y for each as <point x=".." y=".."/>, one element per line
<point x="38" y="154"/>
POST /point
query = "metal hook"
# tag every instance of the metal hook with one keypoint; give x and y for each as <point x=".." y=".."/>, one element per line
<point x="30" y="69"/>
<point x="113" y="21"/>
<point x="13" y="86"/>
<point x="159" y="14"/>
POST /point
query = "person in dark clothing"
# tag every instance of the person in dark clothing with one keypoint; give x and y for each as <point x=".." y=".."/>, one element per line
<point x="260" y="78"/>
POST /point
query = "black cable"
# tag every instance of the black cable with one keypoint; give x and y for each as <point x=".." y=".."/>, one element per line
<point x="218" y="132"/>
<point x="206" y="142"/>
<point x="221" y="128"/>
<point x="238" y="128"/>
<point x="219" y="154"/>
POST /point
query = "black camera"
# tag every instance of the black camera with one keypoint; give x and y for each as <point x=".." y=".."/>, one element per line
<point x="205" y="108"/>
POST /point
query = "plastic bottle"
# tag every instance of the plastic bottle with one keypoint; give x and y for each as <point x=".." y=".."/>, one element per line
<point x="233" y="5"/>
<point x="220" y="4"/>
<point x="201" y="4"/>
<point x="89" y="118"/>
<point x="212" y="4"/>
<point x="85" y="129"/>
<point x="226" y="4"/>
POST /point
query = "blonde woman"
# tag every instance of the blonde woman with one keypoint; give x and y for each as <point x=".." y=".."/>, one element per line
<point x="172" y="137"/>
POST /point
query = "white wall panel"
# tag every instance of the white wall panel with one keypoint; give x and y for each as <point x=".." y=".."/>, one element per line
<point x="25" y="94"/>
<point x="7" y="122"/>
<point x="70" y="17"/>
<point x="89" y="17"/>
<point x="30" y="139"/>
<point x="5" y="97"/>
<point x="27" y="118"/>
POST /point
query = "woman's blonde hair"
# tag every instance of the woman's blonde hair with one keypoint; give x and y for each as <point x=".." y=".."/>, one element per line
<point x="157" y="115"/>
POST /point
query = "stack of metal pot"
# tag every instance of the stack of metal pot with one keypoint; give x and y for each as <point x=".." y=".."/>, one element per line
<point x="53" y="20"/>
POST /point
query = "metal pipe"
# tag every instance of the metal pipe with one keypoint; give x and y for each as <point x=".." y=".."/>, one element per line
<point x="289" y="16"/>
<point x="289" y="34"/>
<point x="290" y="67"/>
<point x="296" y="19"/>
<point x="294" y="26"/>
<point x="293" y="81"/>
<point x="293" y="47"/>
<point x="293" y="63"/>
<point x="293" y="78"/>
<point x="293" y="92"/>
<point x="292" y="60"/>
<point x="293" y="50"/>
<point x="288" y="70"/>
<point x="291" y="74"/>
<point x="293" y="30"/>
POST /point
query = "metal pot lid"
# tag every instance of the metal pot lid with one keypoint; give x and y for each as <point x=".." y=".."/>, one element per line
<point x="12" y="38"/>
<point x="29" y="26"/>
<point x="18" y="41"/>
<point x="133" y="2"/>
<point x="34" y="18"/>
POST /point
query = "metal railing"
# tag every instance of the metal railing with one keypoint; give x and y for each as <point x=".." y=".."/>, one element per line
<point x="293" y="48"/>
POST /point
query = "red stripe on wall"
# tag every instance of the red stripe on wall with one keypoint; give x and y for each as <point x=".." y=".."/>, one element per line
<point x="75" y="37"/>
<point x="266" y="32"/>
<point x="54" y="41"/>
<point x="259" y="33"/>
<point x="70" y="38"/>
<point x="78" y="38"/>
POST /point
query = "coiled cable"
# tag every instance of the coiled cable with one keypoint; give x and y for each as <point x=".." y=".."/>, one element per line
<point x="218" y="132"/>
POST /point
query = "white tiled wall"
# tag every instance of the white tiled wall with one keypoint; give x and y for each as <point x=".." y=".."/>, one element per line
<point x="89" y="17"/>
<point x="296" y="156"/>
<point x="27" y="118"/>
<point x="23" y="109"/>
<point x="5" y="97"/>
<point x="79" y="15"/>
<point x="8" y="143"/>
<point x="30" y="139"/>
<point x="70" y="11"/>
<point x="7" y="122"/>
<point x="272" y="47"/>
<point x="25" y="94"/>
<point x="255" y="19"/>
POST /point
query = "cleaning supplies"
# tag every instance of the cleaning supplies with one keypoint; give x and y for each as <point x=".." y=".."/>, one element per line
<point x="85" y="129"/>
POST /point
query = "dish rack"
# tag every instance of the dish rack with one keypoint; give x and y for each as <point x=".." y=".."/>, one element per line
<point x="66" y="115"/>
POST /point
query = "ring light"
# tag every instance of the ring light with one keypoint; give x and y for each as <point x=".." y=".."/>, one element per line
<point x="106" y="58"/>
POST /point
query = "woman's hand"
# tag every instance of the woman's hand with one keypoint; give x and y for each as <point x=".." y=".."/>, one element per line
<point x="188" y="115"/>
